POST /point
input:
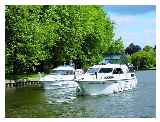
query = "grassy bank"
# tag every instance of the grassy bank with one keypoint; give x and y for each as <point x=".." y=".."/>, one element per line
<point x="153" y="68"/>
<point x="32" y="76"/>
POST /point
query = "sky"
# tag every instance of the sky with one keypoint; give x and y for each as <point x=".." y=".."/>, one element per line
<point x="134" y="23"/>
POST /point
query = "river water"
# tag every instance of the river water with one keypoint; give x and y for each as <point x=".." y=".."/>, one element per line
<point x="37" y="102"/>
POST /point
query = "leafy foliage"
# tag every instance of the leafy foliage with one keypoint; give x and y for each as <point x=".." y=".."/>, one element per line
<point x="143" y="59"/>
<point x="38" y="36"/>
<point x="117" y="46"/>
<point x="132" y="49"/>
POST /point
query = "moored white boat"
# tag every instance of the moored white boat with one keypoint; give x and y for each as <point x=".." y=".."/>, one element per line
<point x="60" y="77"/>
<point x="106" y="79"/>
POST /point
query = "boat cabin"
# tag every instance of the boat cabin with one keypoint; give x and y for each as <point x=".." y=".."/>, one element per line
<point x="109" y="68"/>
<point x="63" y="70"/>
<point x="109" y="71"/>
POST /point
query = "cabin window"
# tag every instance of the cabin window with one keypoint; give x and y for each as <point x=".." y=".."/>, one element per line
<point x="117" y="71"/>
<point x="105" y="70"/>
<point x="62" y="72"/>
<point x="92" y="70"/>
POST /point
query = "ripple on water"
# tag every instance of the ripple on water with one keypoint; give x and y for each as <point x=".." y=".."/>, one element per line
<point x="63" y="102"/>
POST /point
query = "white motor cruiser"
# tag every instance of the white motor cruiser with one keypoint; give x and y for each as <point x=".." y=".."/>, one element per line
<point x="61" y="76"/>
<point x="106" y="79"/>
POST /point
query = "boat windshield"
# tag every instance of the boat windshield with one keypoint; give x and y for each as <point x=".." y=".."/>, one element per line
<point x="62" y="72"/>
<point x="92" y="70"/>
<point x="105" y="70"/>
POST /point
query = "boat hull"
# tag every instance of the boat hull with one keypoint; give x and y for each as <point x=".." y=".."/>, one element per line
<point x="59" y="84"/>
<point x="95" y="87"/>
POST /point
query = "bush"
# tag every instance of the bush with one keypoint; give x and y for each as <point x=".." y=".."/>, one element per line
<point x="143" y="59"/>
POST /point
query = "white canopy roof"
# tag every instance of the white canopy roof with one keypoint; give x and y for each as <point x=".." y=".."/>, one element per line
<point x="66" y="67"/>
<point x="123" y="67"/>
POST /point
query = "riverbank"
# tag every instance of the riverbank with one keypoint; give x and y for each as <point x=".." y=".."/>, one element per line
<point x="23" y="80"/>
<point x="21" y="83"/>
<point x="154" y="68"/>
<point x="31" y="76"/>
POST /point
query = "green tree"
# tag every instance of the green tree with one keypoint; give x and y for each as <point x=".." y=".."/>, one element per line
<point x="148" y="48"/>
<point x="49" y="35"/>
<point x="143" y="59"/>
<point x="28" y="40"/>
<point x="117" y="46"/>
<point x="131" y="49"/>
